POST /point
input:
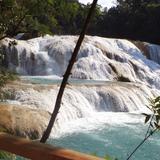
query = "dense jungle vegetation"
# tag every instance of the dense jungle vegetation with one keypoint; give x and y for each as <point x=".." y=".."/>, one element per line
<point x="131" y="19"/>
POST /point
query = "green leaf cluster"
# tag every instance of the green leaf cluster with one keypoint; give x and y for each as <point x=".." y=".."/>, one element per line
<point x="7" y="156"/>
<point x="5" y="77"/>
<point x="130" y="19"/>
<point x="38" y="17"/>
<point x="154" y="119"/>
<point x="133" y="19"/>
<point x="23" y="16"/>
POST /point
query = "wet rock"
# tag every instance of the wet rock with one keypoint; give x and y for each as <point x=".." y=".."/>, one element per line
<point x="24" y="122"/>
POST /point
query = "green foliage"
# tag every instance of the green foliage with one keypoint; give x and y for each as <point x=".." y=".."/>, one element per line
<point x="26" y="16"/>
<point x="7" y="156"/>
<point x="155" y="118"/>
<point x="5" y="77"/>
<point x="65" y="13"/>
<point x="39" y="17"/>
<point x="131" y="19"/>
<point x="107" y="157"/>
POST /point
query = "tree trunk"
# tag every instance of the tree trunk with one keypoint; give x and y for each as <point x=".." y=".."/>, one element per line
<point x="67" y="74"/>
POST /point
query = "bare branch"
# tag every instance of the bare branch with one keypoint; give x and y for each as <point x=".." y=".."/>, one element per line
<point x="141" y="143"/>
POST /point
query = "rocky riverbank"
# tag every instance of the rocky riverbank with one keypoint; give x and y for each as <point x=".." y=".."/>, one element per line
<point x="24" y="122"/>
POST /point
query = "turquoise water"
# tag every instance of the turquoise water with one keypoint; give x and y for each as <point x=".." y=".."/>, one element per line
<point x="52" y="80"/>
<point x="117" y="141"/>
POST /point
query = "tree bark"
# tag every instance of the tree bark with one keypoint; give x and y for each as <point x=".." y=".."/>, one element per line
<point x="67" y="74"/>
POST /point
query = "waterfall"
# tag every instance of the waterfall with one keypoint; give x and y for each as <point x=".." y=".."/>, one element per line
<point x="133" y="77"/>
<point x="99" y="58"/>
<point x="82" y="102"/>
<point x="151" y="51"/>
<point x="154" y="52"/>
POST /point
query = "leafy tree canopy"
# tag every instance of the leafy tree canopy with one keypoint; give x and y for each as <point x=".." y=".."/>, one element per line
<point x="131" y="19"/>
<point x="26" y="16"/>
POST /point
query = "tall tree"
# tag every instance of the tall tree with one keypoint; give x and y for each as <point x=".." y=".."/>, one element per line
<point x="26" y="16"/>
<point x="132" y="19"/>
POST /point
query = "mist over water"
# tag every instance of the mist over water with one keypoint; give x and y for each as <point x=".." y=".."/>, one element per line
<point x="108" y="90"/>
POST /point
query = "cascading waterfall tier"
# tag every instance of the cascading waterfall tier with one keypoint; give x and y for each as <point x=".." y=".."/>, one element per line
<point x="151" y="51"/>
<point x="99" y="58"/>
<point x="84" y="102"/>
<point x="154" y="52"/>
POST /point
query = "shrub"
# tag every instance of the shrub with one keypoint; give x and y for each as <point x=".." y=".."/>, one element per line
<point x="7" y="156"/>
<point x="5" y="77"/>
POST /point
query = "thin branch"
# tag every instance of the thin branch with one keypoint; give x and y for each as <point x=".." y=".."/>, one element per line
<point x="149" y="125"/>
<point x="16" y="27"/>
<point x="19" y="22"/>
<point x="67" y="74"/>
<point x="3" y="37"/>
<point x="141" y="143"/>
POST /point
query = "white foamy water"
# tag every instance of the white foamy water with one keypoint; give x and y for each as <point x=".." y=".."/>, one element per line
<point x="154" y="52"/>
<point x="88" y="104"/>
<point x="87" y="99"/>
<point x="98" y="121"/>
<point x="99" y="58"/>
<point x="103" y="59"/>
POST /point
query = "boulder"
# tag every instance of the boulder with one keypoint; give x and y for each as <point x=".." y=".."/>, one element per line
<point x="24" y="122"/>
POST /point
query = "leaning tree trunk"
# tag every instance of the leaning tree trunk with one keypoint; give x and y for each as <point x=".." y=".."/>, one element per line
<point x="67" y="74"/>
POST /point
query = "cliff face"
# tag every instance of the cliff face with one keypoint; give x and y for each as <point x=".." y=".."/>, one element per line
<point x="24" y="122"/>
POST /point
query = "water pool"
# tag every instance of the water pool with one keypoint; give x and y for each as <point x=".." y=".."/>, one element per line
<point x="116" y="141"/>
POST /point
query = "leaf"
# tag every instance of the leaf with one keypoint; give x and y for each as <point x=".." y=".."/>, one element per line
<point x="157" y="118"/>
<point x="7" y="156"/>
<point x="156" y="125"/>
<point x="157" y="99"/>
<point x="157" y="105"/>
<point x="147" y="118"/>
<point x="50" y="1"/>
